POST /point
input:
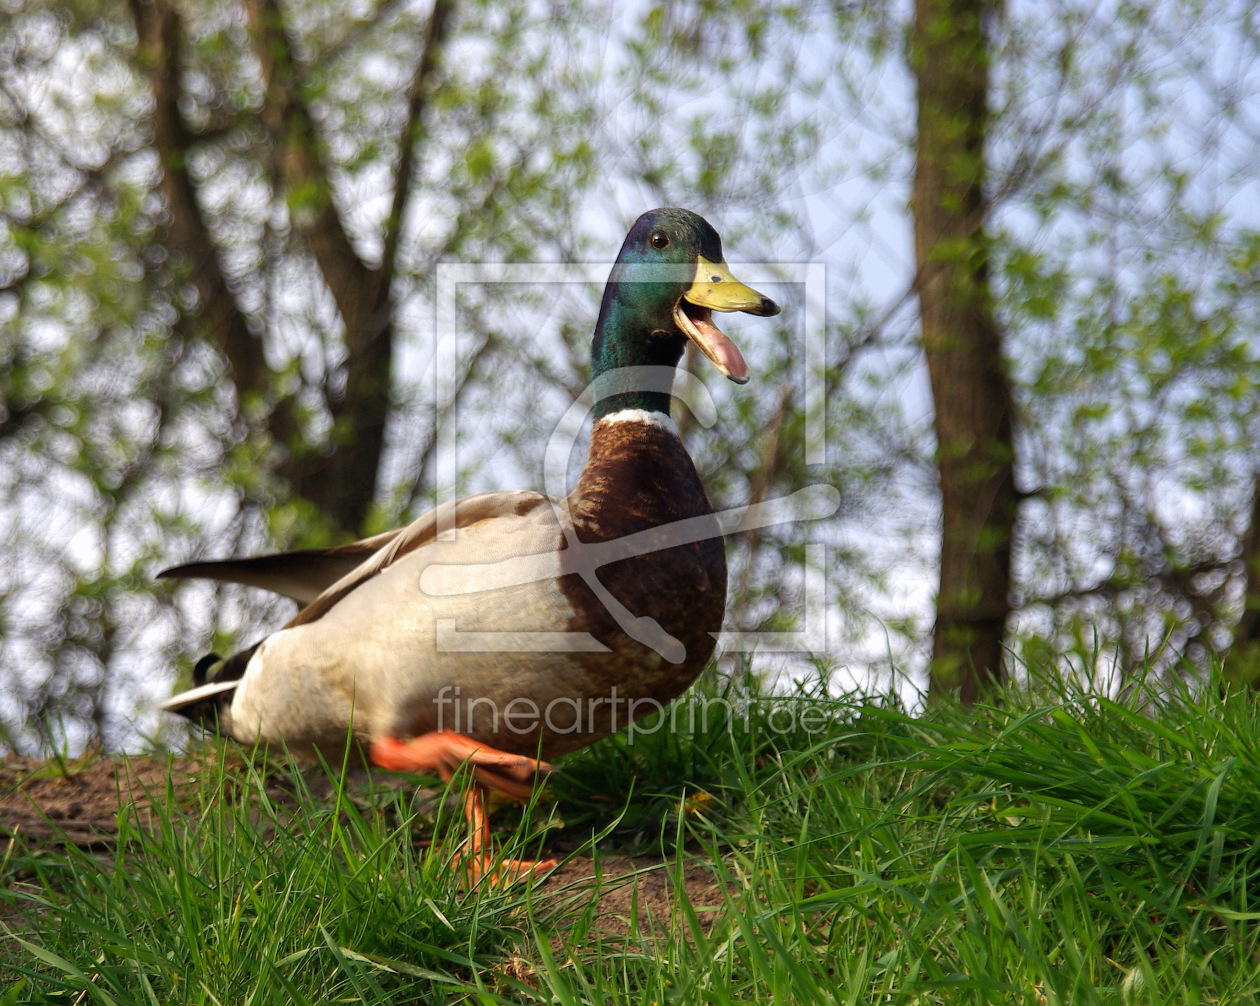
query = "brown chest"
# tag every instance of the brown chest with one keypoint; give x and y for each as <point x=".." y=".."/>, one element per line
<point x="638" y="483"/>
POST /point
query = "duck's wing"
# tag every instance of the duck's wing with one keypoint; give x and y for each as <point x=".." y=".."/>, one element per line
<point x="302" y="575"/>
<point x="318" y="577"/>
<point x="459" y="513"/>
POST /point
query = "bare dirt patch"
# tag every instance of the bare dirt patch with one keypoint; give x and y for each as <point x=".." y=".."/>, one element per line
<point x="78" y="802"/>
<point x="636" y="896"/>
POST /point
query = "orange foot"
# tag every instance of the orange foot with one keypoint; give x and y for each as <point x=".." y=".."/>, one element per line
<point x="442" y="753"/>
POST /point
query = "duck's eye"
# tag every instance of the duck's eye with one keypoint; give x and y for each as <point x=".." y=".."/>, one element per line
<point x="659" y="239"/>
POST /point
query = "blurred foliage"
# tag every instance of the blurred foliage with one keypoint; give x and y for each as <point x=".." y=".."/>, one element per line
<point x="137" y="433"/>
<point x="1128" y="246"/>
<point x="1124" y="231"/>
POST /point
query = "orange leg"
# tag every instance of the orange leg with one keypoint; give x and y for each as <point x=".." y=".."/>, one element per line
<point x="442" y="753"/>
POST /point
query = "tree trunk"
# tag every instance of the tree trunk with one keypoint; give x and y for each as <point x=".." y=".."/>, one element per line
<point x="159" y="31"/>
<point x="340" y="477"/>
<point x="1244" y="656"/>
<point x="970" y="388"/>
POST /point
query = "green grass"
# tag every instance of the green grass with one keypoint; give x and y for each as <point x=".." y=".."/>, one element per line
<point x="1056" y="848"/>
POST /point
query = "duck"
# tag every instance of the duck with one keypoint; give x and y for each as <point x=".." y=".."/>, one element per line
<point x="499" y="631"/>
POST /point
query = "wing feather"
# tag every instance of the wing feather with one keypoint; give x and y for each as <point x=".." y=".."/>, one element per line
<point x="467" y="511"/>
<point x="302" y="575"/>
<point x="319" y="577"/>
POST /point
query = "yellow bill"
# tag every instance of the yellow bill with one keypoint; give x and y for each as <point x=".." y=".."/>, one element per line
<point x="715" y="289"/>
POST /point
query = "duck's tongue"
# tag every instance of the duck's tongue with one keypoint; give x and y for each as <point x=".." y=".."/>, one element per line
<point x="697" y="323"/>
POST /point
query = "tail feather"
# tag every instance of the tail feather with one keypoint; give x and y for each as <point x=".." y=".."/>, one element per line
<point x="180" y="702"/>
<point x="202" y="666"/>
<point x="208" y="696"/>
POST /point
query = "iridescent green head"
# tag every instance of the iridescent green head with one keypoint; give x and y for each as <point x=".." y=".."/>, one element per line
<point x="668" y="280"/>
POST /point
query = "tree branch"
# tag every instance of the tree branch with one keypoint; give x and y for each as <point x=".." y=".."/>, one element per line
<point x="387" y="10"/>
<point x="421" y="89"/>
<point x="287" y="116"/>
<point x="1114" y="585"/>
<point x="425" y="455"/>
<point x="760" y="482"/>
<point x="342" y="481"/>
<point x="1248" y="629"/>
<point x="160" y="49"/>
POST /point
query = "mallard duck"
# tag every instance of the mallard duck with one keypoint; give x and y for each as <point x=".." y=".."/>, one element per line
<point x="500" y="648"/>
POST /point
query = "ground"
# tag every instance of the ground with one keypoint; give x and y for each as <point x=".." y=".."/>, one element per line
<point x="53" y="803"/>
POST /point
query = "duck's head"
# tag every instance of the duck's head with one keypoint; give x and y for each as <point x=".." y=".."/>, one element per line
<point x="668" y="280"/>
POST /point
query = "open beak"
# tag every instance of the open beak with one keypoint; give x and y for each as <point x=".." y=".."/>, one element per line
<point x="715" y="289"/>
